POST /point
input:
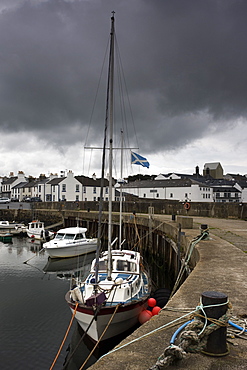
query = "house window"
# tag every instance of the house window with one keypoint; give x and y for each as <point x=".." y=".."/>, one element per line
<point x="171" y="195"/>
<point x="94" y="190"/>
<point x="53" y="188"/>
<point x="157" y="195"/>
<point x="106" y="190"/>
<point x="39" y="188"/>
<point x="94" y="199"/>
<point x="144" y="195"/>
<point x="186" y="195"/>
<point x="63" y="187"/>
<point x="84" y="189"/>
<point x="77" y="188"/>
<point x="77" y="198"/>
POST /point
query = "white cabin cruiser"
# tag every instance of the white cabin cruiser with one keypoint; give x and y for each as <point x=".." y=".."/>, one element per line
<point x="36" y="230"/>
<point x="12" y="227"/>
<point x="70" y="242"/>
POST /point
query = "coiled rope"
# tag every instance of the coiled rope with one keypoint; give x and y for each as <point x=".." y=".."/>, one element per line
<point x="64" y="339"/>
<point x="193" y="339"/>
<point x="179" y="320"/>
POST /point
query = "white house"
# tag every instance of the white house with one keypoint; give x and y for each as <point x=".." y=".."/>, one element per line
<point x="182" y="190"/>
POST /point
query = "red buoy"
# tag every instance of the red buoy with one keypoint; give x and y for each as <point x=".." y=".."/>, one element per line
<point x="156" y="310"/>
<point x="145" y="316"/>
<point x="151" y="302"/>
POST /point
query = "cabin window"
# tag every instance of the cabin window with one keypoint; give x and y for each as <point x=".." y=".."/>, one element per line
<point x="126" y="266"/>
<point x="69" y="236"/>
<point x="102" y="265"/>
<point x="59" y="236"/>
<point x="79" y="236"/>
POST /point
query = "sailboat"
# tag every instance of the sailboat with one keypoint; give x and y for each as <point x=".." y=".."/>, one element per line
<point x="109" y="301"/>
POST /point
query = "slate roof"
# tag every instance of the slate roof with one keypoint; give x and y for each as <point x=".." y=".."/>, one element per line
<point x="161" y="183"/>
<point x="87" y="181"/>
<point x="9" y="180"/>
<point x="56" y="181"/>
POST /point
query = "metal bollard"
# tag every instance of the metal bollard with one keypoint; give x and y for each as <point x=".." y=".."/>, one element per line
<point x="216" y="344"/>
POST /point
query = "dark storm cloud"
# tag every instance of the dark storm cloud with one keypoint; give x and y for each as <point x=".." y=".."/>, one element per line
<point x="184" y="63"/>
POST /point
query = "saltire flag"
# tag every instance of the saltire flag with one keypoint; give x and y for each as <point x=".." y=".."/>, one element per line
<point x="138" y="159"/>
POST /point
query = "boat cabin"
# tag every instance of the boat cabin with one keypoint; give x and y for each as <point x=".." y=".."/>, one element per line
<point x="71" y="233"/>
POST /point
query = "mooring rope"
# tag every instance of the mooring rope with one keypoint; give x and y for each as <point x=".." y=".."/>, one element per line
<point x="103" y="333"/>
<point x="84" y="334"/>
<point x="179" y="320"/>
<point x="65" y="336"/>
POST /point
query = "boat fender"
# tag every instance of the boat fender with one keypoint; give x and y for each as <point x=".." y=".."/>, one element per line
<point x="76" y="294"/>
<point x="187" y="206"/>
<point x="119" y="281"/>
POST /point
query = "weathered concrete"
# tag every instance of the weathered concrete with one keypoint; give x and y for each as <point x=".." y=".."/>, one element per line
<point x="222" y="267"/>
<point x="185" y="222"/>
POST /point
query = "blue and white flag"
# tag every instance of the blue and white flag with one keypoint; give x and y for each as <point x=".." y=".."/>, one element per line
<point x="138" y="159"/>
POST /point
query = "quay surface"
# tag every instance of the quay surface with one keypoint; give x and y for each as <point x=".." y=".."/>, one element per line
<point x="223" y="268"/>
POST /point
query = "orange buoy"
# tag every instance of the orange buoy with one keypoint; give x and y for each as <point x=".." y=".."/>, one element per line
<point x="187" y="206"/>
<point x="145" y="316"/>
<point x="156" y="310"/>
<point x="152" y="302"/>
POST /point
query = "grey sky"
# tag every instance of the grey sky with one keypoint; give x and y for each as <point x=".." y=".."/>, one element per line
<point x="185" y="67"/>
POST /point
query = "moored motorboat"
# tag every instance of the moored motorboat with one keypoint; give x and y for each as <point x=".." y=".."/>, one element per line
<point x="6" y="225"/>
<point x="6" y="237"/>
<point x="70" y="242"/>
<point x="36" y="230"/>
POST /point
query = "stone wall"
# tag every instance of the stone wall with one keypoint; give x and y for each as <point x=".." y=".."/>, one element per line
<point x="218" y="210"/>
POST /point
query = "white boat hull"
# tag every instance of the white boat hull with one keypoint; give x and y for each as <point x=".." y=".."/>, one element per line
<point x="71" y="249"/>
<point x="124" y="319"/>
<point x="35" y="234"/>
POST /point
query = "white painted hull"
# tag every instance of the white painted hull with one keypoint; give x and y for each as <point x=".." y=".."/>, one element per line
<point x="125" y="318"/>
<point x="11" y="227"/>
<point x="36" y="234"/>
<point x="70" y="249"/>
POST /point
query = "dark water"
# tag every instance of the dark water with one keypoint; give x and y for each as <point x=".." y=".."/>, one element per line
<point x="33" y="312"/>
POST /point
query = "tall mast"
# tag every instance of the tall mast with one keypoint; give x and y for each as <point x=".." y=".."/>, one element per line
<point x="111" y="86"/>
<point x="121" y="194"/>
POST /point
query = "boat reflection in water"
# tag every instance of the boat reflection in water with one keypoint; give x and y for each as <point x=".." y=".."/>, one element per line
<point x="68" y="268"/>
<point x="82" y="351"/>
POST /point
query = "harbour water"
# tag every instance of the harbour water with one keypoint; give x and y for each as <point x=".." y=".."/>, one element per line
<point x="33" y="312"/>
